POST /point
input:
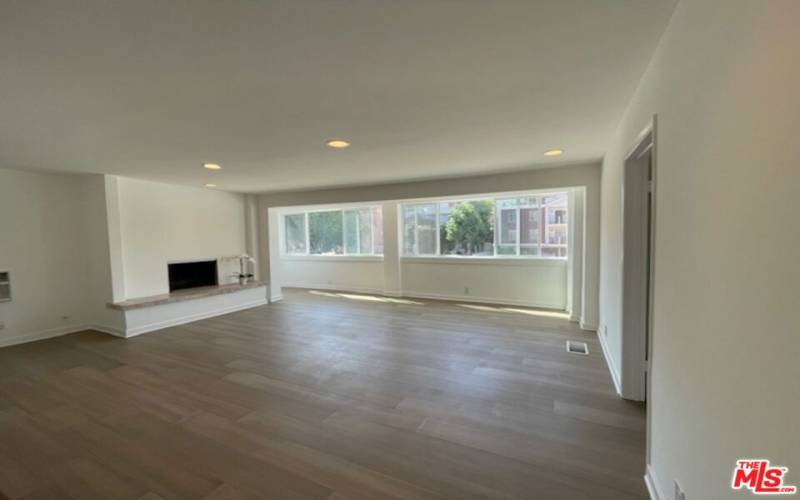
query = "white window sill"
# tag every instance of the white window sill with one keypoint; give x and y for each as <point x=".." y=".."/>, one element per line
<point x="486" y="261"/>
<point x="333" y="258"/>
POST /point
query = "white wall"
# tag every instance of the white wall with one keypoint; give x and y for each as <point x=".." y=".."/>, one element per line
<point x="724" y="83"/>
<point x="43" y="241"/>
<point x="343" y="273"/>
<point x="162" y="222"/>
<point x="536" y="283"/>
<point x="542" y="284"/>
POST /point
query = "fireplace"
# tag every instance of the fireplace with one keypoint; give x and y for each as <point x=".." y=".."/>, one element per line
<point x="184" y="275"/>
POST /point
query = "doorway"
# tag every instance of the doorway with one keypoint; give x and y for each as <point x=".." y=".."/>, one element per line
<point x="637" y="265"/>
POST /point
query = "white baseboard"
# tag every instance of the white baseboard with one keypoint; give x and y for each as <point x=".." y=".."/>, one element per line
<point x="42" y="335"/>
<point x="59" y="332"/>
<point x="110" y="330"/>
<point x="612" y="368"/>
<point x="132" y="332"/>
<point x="276" y="298"/>
<point x="587" y="326"/>
<point x="652" y="484"/>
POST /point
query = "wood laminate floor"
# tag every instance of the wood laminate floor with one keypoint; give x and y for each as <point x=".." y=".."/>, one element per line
<point x="321" y="396"/>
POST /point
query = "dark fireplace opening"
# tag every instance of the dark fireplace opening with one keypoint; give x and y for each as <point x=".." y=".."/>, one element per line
<point x="192" y="274"/>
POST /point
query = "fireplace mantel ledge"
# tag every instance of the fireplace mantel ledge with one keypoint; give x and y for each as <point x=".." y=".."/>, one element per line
<point x="182" y="295"/>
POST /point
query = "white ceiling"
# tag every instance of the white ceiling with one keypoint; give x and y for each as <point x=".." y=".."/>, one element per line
<point x="435" y="88"/>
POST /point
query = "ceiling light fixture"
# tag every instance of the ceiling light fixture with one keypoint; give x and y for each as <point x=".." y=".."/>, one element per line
<point x="554" y="152"/>
<point x="337" y="143"/>
<point x="211" y="185"/>
<point x="212" y="166"/>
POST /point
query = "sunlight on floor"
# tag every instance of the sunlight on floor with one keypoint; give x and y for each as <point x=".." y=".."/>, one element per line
<point x="476" y="307"/>
<point x="531" y="312"/>
<point x="367" y="298"/>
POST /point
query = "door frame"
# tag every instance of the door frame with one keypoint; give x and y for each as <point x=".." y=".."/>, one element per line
<point x="638" y="289"/>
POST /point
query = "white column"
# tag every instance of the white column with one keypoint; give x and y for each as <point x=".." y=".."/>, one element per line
<point x="115" y="237"/>
<point x="576" y="241"/>
<point x="275" y="282"/>
<point x="392" y="283"/>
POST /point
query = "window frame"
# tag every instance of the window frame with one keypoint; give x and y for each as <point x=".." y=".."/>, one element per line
<point x="496" y="198"/>
<point x="306" y="212"/>
<point x="285" y="237"/>
<point x="416" y="230"/>
<point x="371" y="210"/>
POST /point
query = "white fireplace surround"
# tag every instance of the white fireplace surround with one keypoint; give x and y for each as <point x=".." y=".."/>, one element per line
<point x="142" y="317"/>
<point x="138" y="315"/>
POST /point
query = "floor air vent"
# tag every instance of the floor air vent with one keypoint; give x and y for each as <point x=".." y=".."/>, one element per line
<point x="577" y="347"/>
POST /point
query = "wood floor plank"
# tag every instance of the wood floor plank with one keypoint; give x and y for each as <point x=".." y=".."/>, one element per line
<point x="345" y="477"/>
<point x="322" y="395"/>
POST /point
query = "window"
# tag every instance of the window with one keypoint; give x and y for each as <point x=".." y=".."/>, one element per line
<point x="363" y="235"/>
<point x="449" y="228"/>
<point x="554" y="228"/>
<point x="464" y="227"/>
<point x="351" y="231"/>
<point x="467" y="227"/>
<point x="296" y="233"/>
<point x="325" y="233"/>
<point x="530" y="226"/>
<point x="421" y="235"/>
<point x="377" y="230"/>
<point x="507" y="221"/>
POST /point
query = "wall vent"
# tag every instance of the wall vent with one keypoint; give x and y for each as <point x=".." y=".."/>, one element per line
<point x="575" y="347"/>
<point x="5" y="286"/>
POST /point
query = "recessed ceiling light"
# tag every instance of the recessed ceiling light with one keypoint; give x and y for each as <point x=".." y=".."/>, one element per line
<point x="554" y="152"/>
<point x="212" y="166"/>
<point x="337" y="143"/>
<point x="211" y="185"/>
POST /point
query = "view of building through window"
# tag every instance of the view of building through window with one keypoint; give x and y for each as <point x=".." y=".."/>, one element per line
<point x="533" y="225"/>
<point x="526" y="226"/>
<point x="449" y="228"/>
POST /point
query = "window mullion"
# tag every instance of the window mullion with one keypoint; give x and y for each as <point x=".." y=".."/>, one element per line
<point x="542" y="225"/>
<point x="496" y="229"/>
<point x="358" y="233"/>
<point x="308" y="239"/>
<point x="519" y="220"/>
<point x="344" y="232"/>
<point x="371" y="250"/>
<point x="416" y="232"/>
<point x="371" y="232"/>
<point x="438" y="242"/>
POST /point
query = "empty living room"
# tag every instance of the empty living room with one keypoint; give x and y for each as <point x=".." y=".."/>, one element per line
<point x="383" y="249"/>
